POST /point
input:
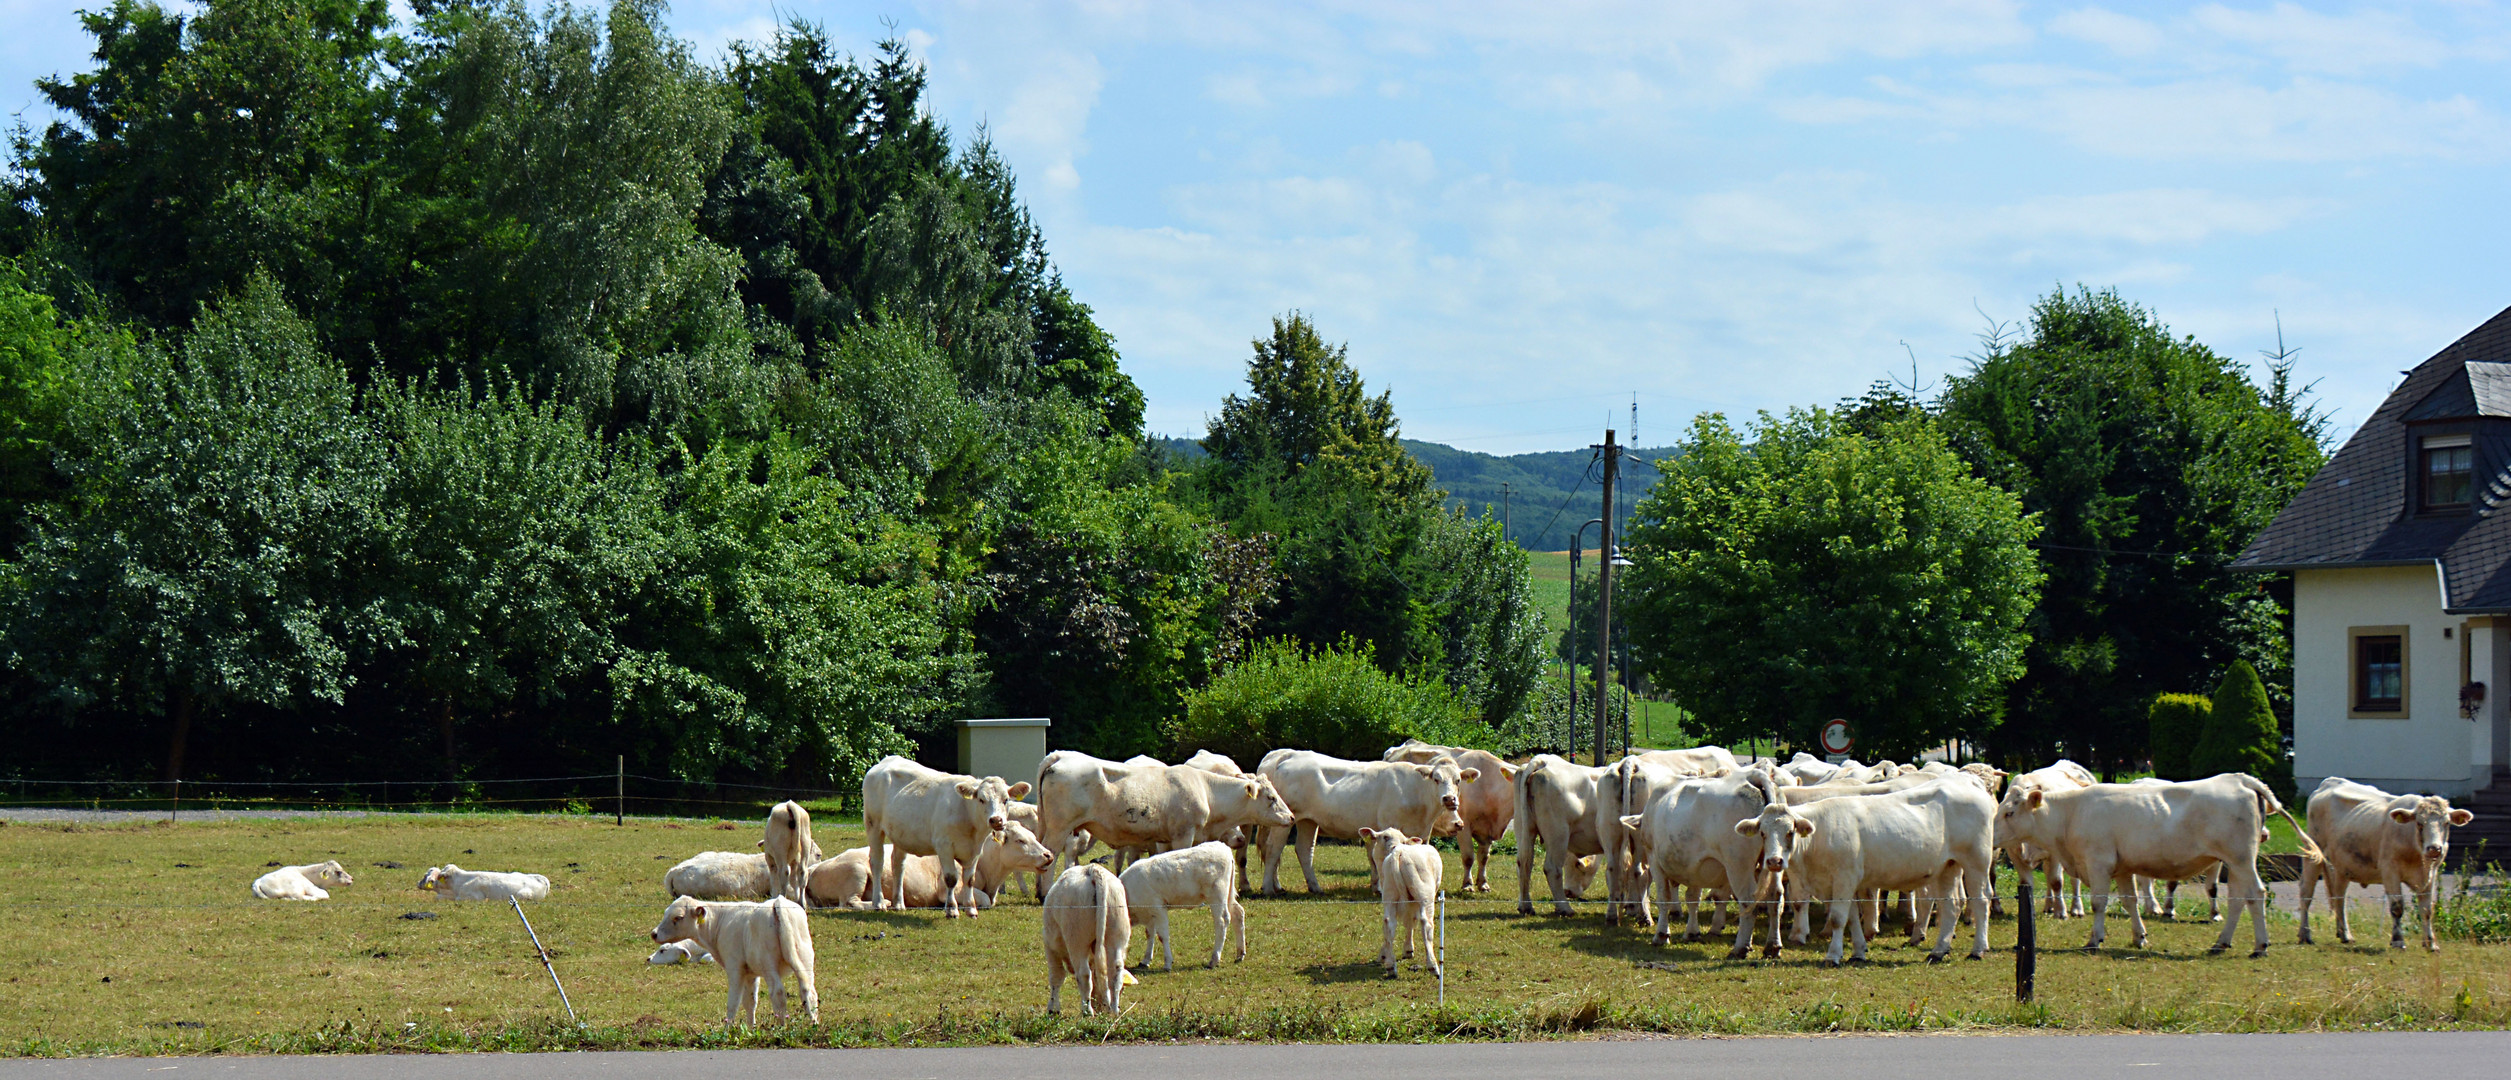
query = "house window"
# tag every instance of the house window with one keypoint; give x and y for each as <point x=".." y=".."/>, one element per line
<point x="2378" y="677"/>
<point x="2449" y="472"/>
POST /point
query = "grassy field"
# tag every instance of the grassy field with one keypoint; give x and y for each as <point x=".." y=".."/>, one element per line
<point x="142" y="939"/>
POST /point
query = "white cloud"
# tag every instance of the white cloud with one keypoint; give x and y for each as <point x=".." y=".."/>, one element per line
<point x="2308" y="41"/>
<point x="2122" y="34"/>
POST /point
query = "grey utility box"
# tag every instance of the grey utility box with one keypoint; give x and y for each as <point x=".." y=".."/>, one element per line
<point x="1010" y="749"/>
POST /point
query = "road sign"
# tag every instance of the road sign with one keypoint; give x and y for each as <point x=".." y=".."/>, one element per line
<point x="1835" y="738"/>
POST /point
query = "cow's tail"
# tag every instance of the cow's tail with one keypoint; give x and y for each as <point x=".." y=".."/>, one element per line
<point x="1524" y="825"/>
<point x="2269" y="804"/>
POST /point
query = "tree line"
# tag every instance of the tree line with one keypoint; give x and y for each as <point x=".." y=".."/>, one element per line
<point x="502" y="390"/>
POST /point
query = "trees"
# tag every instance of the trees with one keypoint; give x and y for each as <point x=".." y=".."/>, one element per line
<point x="2150" y="461"/>
<point x="227" y="503"/>
<point x="1363" y="545"/>
<point x="2173" y="726"/>
<point x="1814" y="573"/>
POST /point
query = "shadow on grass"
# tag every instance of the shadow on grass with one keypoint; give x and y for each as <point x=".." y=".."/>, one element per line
<point x="1353" y="972"/>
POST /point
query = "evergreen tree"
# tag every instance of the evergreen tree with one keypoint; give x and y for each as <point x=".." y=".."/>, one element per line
<point x="2241" y="734"/>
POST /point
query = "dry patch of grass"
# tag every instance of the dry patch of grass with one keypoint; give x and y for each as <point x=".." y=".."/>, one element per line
<point x="143" y="939"/>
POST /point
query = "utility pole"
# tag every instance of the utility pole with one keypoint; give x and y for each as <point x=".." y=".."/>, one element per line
<point x="1604" y="592"/>
<point x="1504" y="510"/>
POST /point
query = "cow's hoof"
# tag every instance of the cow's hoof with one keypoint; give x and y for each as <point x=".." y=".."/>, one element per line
<point x="2303" y="938"/>
<point x="1525" y="909"/>
<point x="2397" y="944"/>
<point x="2217" y="950"/>
<point x="2258" y="953"/>
<point x="1835" y="963"/>
<point x="1390" y="973"/>
<point x="1935" y="958"/>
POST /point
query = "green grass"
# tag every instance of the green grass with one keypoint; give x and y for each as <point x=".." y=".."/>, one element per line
<point x="1550" y="571"/>
<point x="185" y="945"/>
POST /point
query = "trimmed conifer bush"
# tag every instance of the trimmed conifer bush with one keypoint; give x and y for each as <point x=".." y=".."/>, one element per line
<point x="2172" y="728"/>
<point x="2241" y="734"/>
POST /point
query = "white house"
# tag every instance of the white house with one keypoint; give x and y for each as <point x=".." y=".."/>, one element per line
<point x="2400" y="550"/>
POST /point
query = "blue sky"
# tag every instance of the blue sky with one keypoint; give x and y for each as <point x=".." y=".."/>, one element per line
<point x="1518" y="215"/>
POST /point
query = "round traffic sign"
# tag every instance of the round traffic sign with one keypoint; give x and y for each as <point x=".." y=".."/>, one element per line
<point x="1835" y="737"/>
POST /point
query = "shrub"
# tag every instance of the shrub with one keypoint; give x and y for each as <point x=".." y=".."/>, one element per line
<point x="1333" y="700"/>
<point x="2174" y="725"/>
<point x="2241" y="734"/>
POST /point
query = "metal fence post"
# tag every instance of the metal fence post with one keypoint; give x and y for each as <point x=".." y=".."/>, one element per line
<point x="621" y="816"/>
<point x="2026" y="945"/>
<point x="552" y="968"/>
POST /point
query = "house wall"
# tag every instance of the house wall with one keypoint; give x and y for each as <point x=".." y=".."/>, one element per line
<point x="2431" y="748"/>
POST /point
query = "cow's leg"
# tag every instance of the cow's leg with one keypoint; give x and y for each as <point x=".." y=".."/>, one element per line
<point x="1670" y="894"/>
<point x="1941" y="909"/>
<point x="2243" y="889"/>
<point x="776" y="994"/>
<point x="2397" y="913"/>
<point x="1274" y="838"/>
<point x="1525" y="873"/>
<point x="1220" y="928"/>
<point x="2101" y="923"/>
<point x="2135" y="912"/>
<point x="1386" y="938"/>
<point x="1978" y="903"/>
<point x="2338" y="886"/>
<point x="1085" y="981"/>
<point x="740" y="984"/>
<point x="1843" y="918"/>
<point x="1238" y="921"/>
<point x="873" y="835"/>
<point x="1054" y="975"/>
<point x="2214" y="882"/>
<point x="2256" y="887"/>
<point x="1308" y="854"/>
<point x="2424" y="909"/>
<point x="1159" y="937"/>
<point x="2310" y="880"/>
<point x="1804" y="920"/>
<point x="1555" y="860"/>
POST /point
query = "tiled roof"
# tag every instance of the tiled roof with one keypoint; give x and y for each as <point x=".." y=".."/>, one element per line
<point x="2354" y="510"/>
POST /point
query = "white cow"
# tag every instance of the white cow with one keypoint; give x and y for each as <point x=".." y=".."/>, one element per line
<point x="1556" y="802"/>
<point x="299" y="882"/>
<point x="1336" y="797"/>
<point x="1147" y="807"/>
<point x="2110" y="832"/>
<point x="1086" y="927"/>
<point x="450" y="882"/>
<point x="1928" y="839"/>
<point x="2059" y="775"/>
<point x="789" y="850"/>
<point x="1248" y="836"/>
<point x="1488" y="803"/>
<point x="2370" y="835"/>
<point x="845" y="879"/>
<point x="1408" y="888"/>
<point x="1808" y="769"/>
<point x="719" y="875"/>
<point x="1204" y="875"/>
<point x="1625" y="790"/>
<point x="767" y="940"/>
<point x="1692" y="843"/>
<point x="921" y="811"/>
<point x="1697" y="761"/>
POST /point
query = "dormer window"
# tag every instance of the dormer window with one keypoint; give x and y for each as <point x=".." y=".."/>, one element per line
<point x="2449" y="472"/>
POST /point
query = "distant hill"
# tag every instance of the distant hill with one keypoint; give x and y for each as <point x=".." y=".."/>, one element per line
<point x="1550" y="493"/>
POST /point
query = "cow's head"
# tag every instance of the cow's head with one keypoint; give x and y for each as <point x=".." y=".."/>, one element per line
<point x="1581" y="873"/>
<point x="680" y="921"/>
<point x="1382" y="842"/>
<point x="435" y="875"/>
<point x="993" y="798"/>
<point x="2018" y="814"/>
<point x="331" y="873"/>
<point x="1779" y="828"/>
<point x="1021" y="850"/>
<point x="1443" y="776"/>
<point x="2432" y="819"/>
<point x="1268" y="801"/>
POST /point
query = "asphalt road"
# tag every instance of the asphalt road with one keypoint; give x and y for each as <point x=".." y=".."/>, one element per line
<point x="1936" y="1057"/>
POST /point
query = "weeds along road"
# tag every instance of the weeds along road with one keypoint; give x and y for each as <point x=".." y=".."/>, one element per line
<point x="1935" y="1057"/>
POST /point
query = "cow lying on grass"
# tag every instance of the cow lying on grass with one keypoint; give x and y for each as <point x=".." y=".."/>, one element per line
<point x="766" y="940"/>
<point x="298" y="882"/>
<point x="720" y="875"/>
<point x="845" y="879"/>
<point x="450" y="882"/>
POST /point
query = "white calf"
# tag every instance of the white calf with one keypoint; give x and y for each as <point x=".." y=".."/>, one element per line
<point x="681" y="952"/>
<point x="789" y="850"/>
<point x="298" y="882"/>
<point x="1205" y="875"/>
<point x="752" y="941"/>
<point x="1086" y="926"/>
<point x="1408" y="884"/>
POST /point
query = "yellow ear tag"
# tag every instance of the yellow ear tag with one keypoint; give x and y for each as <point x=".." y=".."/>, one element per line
<point x="701" y="918"/>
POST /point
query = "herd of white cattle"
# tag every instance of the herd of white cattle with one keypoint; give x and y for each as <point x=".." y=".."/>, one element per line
<point x="1698" y="830"/>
